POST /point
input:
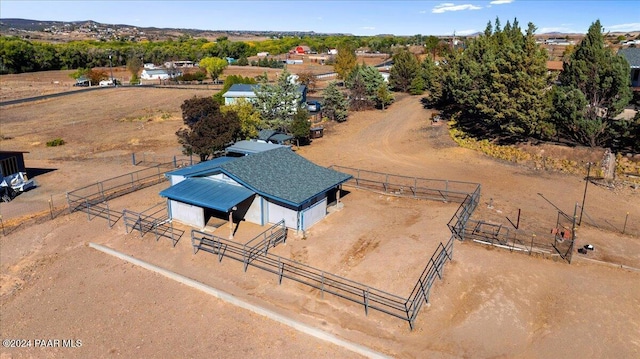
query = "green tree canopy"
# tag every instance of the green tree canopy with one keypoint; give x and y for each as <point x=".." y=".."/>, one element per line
<point x="499" y="83"/>
<point x="405" y="69"/>
<point x="208" y="130"/>
<point x="279" y="102"/>
<point x="336" y="105"/>
<point x="134" y="65"/>
<point x="249" y="117"/>
<point x="602" y="78"/>
<point x="345" y="61"/>
<point x="214" y="66"/>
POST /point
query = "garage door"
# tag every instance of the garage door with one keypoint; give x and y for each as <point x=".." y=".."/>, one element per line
<point x="313" y="214"/>
<point x="277" y="213"/>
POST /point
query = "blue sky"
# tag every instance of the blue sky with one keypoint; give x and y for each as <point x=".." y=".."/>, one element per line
<point x="361" y="17"/>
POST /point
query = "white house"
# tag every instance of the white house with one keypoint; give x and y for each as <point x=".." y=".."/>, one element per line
<point x="157" y="74"/>
<point x="246" y="91"/>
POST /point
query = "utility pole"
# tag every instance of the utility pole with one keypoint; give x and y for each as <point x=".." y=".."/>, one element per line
<point x="111" y="69"/>
<point x="584" y="196"/>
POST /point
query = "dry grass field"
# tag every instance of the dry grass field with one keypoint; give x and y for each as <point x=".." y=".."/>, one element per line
<point x="491" y="303"/>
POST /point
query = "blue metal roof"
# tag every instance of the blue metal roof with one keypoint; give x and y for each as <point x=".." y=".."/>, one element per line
<point x="205" y="192"/>
<point x="201" y="167"/>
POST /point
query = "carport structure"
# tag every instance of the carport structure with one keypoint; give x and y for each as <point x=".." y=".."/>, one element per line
<point x="261" y="188"/>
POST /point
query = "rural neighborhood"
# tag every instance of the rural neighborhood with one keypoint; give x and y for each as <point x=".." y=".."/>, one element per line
<point x="184" y="193"/>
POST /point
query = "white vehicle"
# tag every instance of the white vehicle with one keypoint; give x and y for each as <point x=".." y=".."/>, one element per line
<point x="104" y="83"/>
<point x="12" y="185"/>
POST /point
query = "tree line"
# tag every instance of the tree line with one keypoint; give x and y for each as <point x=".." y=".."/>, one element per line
<point x="499" y="88"/>
<point x="19" y="55"/>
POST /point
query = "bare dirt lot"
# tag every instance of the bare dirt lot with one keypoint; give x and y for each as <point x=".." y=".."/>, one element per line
<point x="491" y="303"/>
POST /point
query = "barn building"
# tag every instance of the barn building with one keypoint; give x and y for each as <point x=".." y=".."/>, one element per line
<point x="263" y="187"/>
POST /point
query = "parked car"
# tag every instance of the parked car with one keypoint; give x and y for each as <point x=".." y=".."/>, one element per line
<point x="113" y="82"/>
<point x="313" y="106"/>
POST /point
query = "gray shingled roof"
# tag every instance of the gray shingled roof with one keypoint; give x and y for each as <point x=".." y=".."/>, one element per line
<point x="632" y="54"/>
<point x="283" y="175"/>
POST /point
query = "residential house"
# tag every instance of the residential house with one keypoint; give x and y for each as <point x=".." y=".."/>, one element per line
<point x="154" y="74"/>
<point x="632" y="54"/>
<point x="246" y="91"/>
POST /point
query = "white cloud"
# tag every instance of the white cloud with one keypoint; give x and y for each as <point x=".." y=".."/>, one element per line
<point x="368" y="28"/>
<point x="422" y="12"/>
<point x="500" y="2"/>
<point x="444" y="7"/>
<point x="634" y="26"/>
<point x="563" y="29"/>
<point x="465" y="32"/>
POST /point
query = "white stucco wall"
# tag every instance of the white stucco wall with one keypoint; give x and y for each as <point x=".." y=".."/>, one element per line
<point x="254" y="214"/>
<point x="186" y="213"/>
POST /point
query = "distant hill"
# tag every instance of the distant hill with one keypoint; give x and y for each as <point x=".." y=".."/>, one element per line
<point x="88" y="29"/>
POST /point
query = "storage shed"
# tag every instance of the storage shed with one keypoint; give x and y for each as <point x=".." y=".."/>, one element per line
<point x="11" y="162"/>
<point x="261" y="188"/>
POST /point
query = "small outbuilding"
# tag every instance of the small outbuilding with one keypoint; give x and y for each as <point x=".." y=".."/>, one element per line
<point x="12" y="162"/>
<point x="264" y="187"/>
<point x="273" y="136"/>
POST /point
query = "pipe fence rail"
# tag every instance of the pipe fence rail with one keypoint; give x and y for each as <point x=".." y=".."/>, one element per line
<point x="458" y="222"/>
<point x="368" y="297"/>
<point x="422" y="289"/>
<point x="154" y="219"/>
<point x="153" y="160"/>
<point x="498" y="235"/>
<point x="114" y="187"/>
<point x="268" y="239"/>
<point x="414" y="187"/>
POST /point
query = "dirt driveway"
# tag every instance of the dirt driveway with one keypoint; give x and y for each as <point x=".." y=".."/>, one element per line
<point x="491" y="302"/>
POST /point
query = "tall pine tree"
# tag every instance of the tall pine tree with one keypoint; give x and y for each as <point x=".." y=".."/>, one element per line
<point x="597" y="81"/>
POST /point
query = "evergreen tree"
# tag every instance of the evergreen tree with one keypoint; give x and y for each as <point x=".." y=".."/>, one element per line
<point x="279" y="102"/>
<point x="499" y="83"/>
<point x="335" y="105"/>
<point x="602" y="78"/>
<point x="385" y="97"/>
<point x="404" y="71"/>
<point x="364" y="83"/>
<point x="300" y="126"/>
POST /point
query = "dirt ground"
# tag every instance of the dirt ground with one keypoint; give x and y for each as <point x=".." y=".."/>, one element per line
<point x="491" y="303"/>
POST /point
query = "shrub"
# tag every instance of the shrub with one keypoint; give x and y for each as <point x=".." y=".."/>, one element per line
<point x="56" y="142"/>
